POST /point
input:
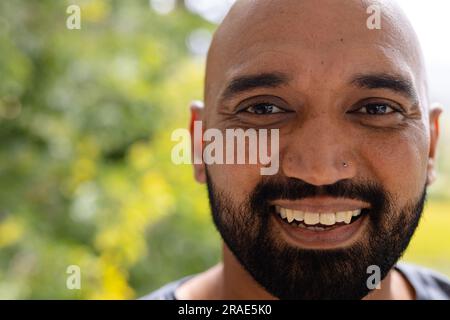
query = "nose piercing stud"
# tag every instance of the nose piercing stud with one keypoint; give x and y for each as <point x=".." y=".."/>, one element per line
<point x="345" y="164"/>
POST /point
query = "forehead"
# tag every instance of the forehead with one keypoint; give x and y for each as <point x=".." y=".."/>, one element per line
<point x="326" y="67"/>
<point x="328" y="45"/>
<point x="305" y="62"/>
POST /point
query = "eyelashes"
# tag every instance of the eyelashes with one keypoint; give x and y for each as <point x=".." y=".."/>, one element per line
<point x="377" y="109"/>
<point x="371" y="109"/>
<point x="264" y="109"/>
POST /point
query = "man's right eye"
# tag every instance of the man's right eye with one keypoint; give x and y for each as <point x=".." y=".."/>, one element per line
<point x="264" y="109"/>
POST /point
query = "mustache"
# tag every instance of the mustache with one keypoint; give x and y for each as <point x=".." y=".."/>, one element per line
<point x="286" y="188"/>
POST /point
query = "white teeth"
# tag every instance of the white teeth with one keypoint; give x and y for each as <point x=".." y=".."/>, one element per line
<point x="289" y="215"/>
<point x="356" y="213"/>
<point x="348" y="217"/>
<point x="283" y="213"/>
<point x="327" y="219"/>
<point x="299" y="215"/>
<point x="312" y="218"/>
<point x="340" y="216"/>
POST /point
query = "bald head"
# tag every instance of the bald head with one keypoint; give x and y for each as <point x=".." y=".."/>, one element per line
<point x="312" y="42"/>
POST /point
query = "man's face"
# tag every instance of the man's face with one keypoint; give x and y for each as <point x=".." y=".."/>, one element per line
<point x="354" y="132"/>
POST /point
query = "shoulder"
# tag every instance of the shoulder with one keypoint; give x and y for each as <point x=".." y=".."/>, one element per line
<point x="428" y="284"/>
<point x="167" y="292"/>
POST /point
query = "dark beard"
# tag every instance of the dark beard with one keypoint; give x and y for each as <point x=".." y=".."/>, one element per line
<point x="289" y="272"/>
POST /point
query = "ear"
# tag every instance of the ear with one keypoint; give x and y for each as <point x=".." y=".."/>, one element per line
<point x="196" y="129"/>
<point x="435" y="113"/>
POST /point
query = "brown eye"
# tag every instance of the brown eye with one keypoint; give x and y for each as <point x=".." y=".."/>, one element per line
<point x="377" y="109"/>
<point x="264" y="109"/>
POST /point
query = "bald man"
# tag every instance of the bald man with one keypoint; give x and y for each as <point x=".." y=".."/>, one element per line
<point x="357" y="147"/>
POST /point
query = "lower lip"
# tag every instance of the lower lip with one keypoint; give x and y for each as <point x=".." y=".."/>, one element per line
<point x="324" y="239"/>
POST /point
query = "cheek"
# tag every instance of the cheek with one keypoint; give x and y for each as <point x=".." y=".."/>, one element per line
<point x="238" y="181"/>
<point x="399" y="162"/>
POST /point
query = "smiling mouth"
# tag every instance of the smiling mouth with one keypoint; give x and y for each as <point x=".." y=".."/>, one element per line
<point x="316" y="221"/>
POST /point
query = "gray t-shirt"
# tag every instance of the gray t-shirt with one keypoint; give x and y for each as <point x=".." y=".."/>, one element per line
<point x="428" y="284"/>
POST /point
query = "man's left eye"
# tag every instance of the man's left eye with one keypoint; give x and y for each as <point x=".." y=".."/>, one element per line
<point x="264" y="108"/>
<point x="377" y="109"/>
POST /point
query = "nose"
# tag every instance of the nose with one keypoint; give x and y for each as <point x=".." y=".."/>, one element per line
<point x="319" y="152"/>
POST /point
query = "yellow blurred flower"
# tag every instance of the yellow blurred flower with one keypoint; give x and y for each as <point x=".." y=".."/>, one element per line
<point x="140" y="155"/>
<point x="11" y="231"/>
<point x="95" y="10"/>
<point x="114" y="285"/>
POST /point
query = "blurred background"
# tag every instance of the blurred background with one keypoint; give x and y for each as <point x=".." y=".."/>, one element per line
<point x="86" y="116"/>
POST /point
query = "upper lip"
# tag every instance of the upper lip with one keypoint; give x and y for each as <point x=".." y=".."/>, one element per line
<point x="322" y="204"/>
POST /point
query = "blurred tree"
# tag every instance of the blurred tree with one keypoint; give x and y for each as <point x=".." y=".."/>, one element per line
<point x="81" y="180"/>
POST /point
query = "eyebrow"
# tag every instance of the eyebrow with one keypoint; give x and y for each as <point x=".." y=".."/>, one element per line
<point x="249" y="82"/>
<point x="395" y="83"/>
<point x="392" y="82"/>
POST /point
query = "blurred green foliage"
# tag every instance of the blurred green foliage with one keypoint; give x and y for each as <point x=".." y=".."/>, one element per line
<point x="85" y="172"/>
